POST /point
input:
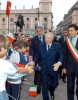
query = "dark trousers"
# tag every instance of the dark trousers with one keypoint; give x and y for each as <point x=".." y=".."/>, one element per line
<point x="61" y="75"/>
<point x="47" y="80"/>
<point x="37" y="80"/>
<point x="14" y="91"/>
<point x="71" y="85"/>
<point x="51" y="89"/>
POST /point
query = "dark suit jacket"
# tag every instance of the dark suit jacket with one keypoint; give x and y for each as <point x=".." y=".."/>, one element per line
<point x="62" y="42"/>
<point x="69" y="61"/>
<point x="63" y="45"/>
<point x="47" y="60"/>
<point x="33" y="49"/>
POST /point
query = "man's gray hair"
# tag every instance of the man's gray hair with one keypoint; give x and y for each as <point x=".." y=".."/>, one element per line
<point x="50" y="34"/>
<point x="39" y="27"/>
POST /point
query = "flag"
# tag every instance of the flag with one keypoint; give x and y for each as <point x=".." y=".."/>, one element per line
<point x="31" y="34"/>
<point x="19" y="65"/>
<point x="43" y="25"/>
<point x="8" y="8"/>
<point x="33" y="90"/>
<point x="10" y="36"/>
<point x="27" y="50"/>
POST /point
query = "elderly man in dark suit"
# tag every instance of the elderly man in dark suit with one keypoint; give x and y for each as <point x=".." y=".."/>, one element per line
<point x="50" y="62"/>
<point x="33" y="50"/>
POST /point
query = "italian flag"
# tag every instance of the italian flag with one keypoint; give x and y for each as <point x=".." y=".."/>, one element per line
<point x="33" y="90"/>
<point x="31" y="34"/>
<point x="72" y="49"/>
<point x="10" y="36"/>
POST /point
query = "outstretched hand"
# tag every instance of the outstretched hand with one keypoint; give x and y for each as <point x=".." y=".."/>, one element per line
<point x="32" y="63"/>
<point x="29" y="69"/>
<point x="56" y="66"/>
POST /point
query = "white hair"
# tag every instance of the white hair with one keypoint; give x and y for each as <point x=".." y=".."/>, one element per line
<point x="49" y="33"/>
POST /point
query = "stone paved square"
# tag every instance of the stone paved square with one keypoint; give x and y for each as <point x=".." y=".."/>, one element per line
<point x="60" y="93"/>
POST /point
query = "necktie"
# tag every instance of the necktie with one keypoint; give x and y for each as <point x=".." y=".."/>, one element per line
<point x="40" y="39"/>
<point x="48" y="47"/>
<point x="65" y="39"/>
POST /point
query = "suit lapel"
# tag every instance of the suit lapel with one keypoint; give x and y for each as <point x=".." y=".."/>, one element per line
<point x="45" y="48"/>
<point x="43" y="39"/>
<point x="37" y="39"/>
<point x="51" y="49"/>
<point x="63" y="40"/>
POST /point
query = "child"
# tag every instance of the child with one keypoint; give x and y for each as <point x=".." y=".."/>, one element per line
<point x="7" y="68"/>
<point x="17" y="57"/>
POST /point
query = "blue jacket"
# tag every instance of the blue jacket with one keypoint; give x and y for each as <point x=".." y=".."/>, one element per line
<point x="47" y="60"/>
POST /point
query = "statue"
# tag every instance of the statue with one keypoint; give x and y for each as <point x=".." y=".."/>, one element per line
<point x="19" y="22"/>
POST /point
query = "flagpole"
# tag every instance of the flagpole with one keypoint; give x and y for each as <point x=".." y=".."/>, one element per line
<point x="8" y="24"/>
<point x="8" y="8"/>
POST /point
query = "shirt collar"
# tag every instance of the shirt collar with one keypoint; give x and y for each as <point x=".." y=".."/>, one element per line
<point x="49" y="44"/>
<point x="75" y="38"/>
<point x="40" y="36"/>
<point x="66" y="37"/>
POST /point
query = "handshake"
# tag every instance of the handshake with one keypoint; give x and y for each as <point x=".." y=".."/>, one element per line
<point x="31" y="67"/>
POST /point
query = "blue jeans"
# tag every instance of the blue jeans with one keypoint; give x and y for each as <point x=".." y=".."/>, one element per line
<point x="3" y="95"/>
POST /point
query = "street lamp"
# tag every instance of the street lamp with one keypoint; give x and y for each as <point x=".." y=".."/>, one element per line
<point x="38" y="14"/>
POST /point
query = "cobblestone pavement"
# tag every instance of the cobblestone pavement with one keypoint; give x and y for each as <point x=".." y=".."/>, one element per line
<point x="60" y="93"/>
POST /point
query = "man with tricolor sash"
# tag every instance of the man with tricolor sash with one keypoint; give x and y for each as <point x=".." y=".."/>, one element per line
<point x="71" y="61"/>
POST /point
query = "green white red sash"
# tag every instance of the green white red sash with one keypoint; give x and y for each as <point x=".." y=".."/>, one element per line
<point x="72" y="49"/>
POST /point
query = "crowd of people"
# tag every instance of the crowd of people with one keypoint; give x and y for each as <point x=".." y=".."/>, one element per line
<point x="46" y="57"/>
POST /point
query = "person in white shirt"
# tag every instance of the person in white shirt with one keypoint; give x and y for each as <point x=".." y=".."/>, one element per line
<point x="7" y="68"/>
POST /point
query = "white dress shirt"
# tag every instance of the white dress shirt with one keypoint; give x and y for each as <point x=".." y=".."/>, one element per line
<point x="41" y="38"/>
<point x="74" y="40"/>
<point x="48" y="45"/>
<point x="65" y="38"/>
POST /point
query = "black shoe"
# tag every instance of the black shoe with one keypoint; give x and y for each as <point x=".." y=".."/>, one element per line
<point x="52" y="96"/>
<point x="64" y="81"/>
<point x="38" y="92"/>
